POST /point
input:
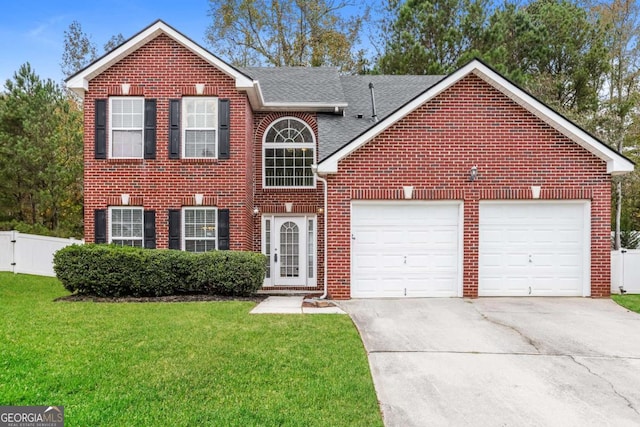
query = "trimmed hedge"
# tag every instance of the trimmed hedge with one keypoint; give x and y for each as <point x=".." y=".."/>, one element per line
<point x="115" y="271"/>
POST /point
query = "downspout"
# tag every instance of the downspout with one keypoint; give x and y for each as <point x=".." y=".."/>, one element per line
<point x="314" y="169"/>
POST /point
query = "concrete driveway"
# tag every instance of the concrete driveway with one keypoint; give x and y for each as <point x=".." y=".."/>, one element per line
<point x="502" y="361"/>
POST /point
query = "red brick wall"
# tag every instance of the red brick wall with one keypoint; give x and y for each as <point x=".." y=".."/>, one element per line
<point x="163" y="69"/>
<point x="434" y="148"/>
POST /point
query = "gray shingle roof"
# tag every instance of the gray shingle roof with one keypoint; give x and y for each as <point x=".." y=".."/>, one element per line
<point x="326" y="86"/>
<point x="391" y="92"/>
<point x="298" y="84"/>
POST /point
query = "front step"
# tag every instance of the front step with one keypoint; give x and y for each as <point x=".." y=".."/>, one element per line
<point x="285" y="292"/>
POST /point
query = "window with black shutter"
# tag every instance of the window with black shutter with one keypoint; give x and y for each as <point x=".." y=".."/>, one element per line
<point x="199" y="128"/>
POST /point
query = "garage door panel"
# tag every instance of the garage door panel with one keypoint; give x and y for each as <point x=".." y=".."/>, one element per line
<point x="515" y="236"/>
<point x="435" y="287"/>
<point x="542" y="247"/>
<point x="416" y="247"/>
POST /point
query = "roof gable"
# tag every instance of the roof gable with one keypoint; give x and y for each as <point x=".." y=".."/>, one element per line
<point x="269" y="100"/>
<point x="616" y="163"/>
<point x="79" y="82"/>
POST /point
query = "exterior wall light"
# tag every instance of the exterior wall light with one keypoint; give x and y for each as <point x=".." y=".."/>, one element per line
<point x="473" y="173"/>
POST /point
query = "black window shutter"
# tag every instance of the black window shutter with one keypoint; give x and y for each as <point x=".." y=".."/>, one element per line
<point x="150" y="129"/>
<point x="174" y="228"/>
<point x="100" y="226"/>
<point x="174" y="128"/>
<point x="223" y="129"/>
<point x="100" y="129"/>
<point x="150" y="229"/>
<point x="223" y="229"/>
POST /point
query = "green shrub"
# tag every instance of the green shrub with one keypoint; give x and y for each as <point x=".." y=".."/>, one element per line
<point x="113" y="271"/>
<point x="229" y="273"/>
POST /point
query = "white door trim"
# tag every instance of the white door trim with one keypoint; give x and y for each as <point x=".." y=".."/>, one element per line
<point x="460" y="250"/>
<point x="302" y="221"/>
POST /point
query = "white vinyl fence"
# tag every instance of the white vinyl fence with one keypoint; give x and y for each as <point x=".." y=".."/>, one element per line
<point x="625" y="271"/>
<point x="30" y="254"/>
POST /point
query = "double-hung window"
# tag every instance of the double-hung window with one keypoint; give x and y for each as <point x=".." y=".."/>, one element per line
<point x="200" y="127"/>
<point x="126" y="226"/>
<point x="288" y="153"/>
<point x="127" y="127"/>
<point x="200" y="229"/>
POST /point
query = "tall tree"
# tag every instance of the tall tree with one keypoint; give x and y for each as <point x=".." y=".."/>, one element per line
<point x="555" y="48"/>
<point x="79" y="50"/>
<point x="431" y="36"/>
<point x="286" y="32"/>
<point x="617" y="121"/>
<point x="114" y="42"/>
<point x="40" y="154"/>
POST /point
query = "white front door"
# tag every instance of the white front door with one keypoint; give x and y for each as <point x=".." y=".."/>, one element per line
<point x="289" y="243"/>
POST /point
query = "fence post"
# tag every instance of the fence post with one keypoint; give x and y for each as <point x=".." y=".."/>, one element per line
<point x="622" y="281"/>
<point x="14" y="240"/>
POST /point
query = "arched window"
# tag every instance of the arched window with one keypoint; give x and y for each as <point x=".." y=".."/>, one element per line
<point x="288" y="152"/>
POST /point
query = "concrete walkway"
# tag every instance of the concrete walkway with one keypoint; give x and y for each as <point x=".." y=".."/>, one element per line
<point x="291" y="305"/>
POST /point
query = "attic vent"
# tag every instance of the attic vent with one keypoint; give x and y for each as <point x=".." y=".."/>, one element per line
<point x="359" y="116"/>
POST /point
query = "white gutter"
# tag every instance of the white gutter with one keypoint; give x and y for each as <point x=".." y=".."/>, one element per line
<point x="314" y="169"/>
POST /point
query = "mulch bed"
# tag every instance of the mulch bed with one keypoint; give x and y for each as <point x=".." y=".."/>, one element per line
<point x="169" y="298"/>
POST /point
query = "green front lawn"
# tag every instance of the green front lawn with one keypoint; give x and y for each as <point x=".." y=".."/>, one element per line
<point x="179" y="364"/>
<point x="630" y="302"/>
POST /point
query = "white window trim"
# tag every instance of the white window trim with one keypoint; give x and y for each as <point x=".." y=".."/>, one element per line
<point x="111" y="129"/>
<point x="309" y="281"/>
<point x="183" y="224"/>
<point x="183" y="127"/>
<point x="277" y="145"/>
<point x="110" y="223"/>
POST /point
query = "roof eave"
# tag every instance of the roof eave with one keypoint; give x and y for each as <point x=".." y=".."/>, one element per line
<point x="258" y="103"/>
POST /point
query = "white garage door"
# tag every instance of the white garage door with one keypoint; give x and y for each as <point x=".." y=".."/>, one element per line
<point x="538" y="248"/>
<point x="407" y="249"/>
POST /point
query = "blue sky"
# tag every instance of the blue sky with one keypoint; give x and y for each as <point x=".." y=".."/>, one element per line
<point x="33" y="31"/>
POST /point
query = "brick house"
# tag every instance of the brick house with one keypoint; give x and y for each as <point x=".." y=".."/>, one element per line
<point x="458" y="185"/>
